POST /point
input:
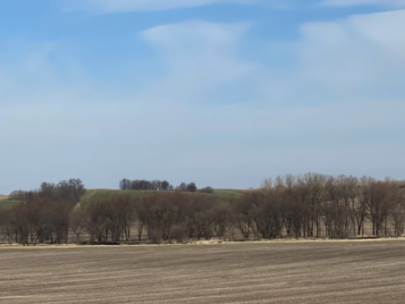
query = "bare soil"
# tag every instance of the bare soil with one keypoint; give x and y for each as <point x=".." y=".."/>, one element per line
<point x="300" y="272"/>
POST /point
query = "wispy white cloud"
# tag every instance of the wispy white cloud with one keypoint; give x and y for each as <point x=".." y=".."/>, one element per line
<point x="386" y="3"/>
<point x="362" y="53"/>
<point x="199" y="58"/>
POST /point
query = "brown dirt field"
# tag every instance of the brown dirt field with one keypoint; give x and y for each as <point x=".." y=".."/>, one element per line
<point x="301" y="272"/>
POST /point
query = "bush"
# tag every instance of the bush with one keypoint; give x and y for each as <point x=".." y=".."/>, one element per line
<point x="178" y="232"/>
<point x="155" y="236"/>
<point x="206" y="190"/>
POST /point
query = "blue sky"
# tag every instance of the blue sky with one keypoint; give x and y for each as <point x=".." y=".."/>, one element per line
<point x="222" y="93"/>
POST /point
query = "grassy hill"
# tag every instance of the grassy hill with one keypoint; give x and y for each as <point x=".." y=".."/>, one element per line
<point x="8" y="203"/>
<point x="104" y="194"/>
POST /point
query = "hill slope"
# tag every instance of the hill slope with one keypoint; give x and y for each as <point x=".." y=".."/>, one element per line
<point x="8" y="203"/>
<point x="104" y="194"/>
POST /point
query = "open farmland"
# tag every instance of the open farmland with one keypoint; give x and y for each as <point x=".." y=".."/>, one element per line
<point x="295" y="272"/>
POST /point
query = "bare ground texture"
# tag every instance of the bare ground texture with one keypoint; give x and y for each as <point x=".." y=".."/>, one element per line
<point x="308" y="272"/>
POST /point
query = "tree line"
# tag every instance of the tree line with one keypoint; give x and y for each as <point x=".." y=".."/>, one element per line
<point x="311" y="205"/>
<point x="158" y="185"/>
<point x="68" y="191"/>
<point x="341" y="205"/>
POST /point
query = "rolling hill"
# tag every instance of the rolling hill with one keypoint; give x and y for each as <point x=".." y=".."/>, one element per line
<point x="92" y="195"/>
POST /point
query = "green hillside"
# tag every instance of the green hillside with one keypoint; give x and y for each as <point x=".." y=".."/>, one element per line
<point x="104" y="194"/>
<point x="8" y="203"/>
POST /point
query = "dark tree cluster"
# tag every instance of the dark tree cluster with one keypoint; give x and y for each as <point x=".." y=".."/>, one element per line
<point x="105" y="221"/>
<point x="127" y="184"/>
<point x="206" y="190"/>
<point x="163" y="216"/>
<point x="158" y="185"/>
<point x="43" y="214"/>
<point x="191" y="187"/>
<point x="69" y="191"/>
<point x="37" y="220"/>
<point x="341" y="206"/>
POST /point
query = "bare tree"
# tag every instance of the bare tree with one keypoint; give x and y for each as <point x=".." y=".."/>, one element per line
<point x="397" y="213"/>
<point x="315" y="194"/>
<point x="222" y="217"/>
<point x="244" y="218"/>
<point x="182" y="187"/>
<point x="191" y="187"/>
<point x="77" y="224"/>
<point x="378" y="198"/>
<point x="165" y="185"/>
<point x="206" y="190"/>
<point x="125" y="184"/>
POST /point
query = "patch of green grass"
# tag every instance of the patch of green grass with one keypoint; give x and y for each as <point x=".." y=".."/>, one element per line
<point x="94" y="195"/>
<point x="8" y="203"/>
<point x="228" y="193"/>
<point x="106" y="194"/>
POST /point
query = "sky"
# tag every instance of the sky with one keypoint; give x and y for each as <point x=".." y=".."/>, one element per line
<point x="223" y="93"/>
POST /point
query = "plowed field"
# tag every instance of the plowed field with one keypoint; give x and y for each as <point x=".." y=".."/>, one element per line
<point x="301" y="272"/>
